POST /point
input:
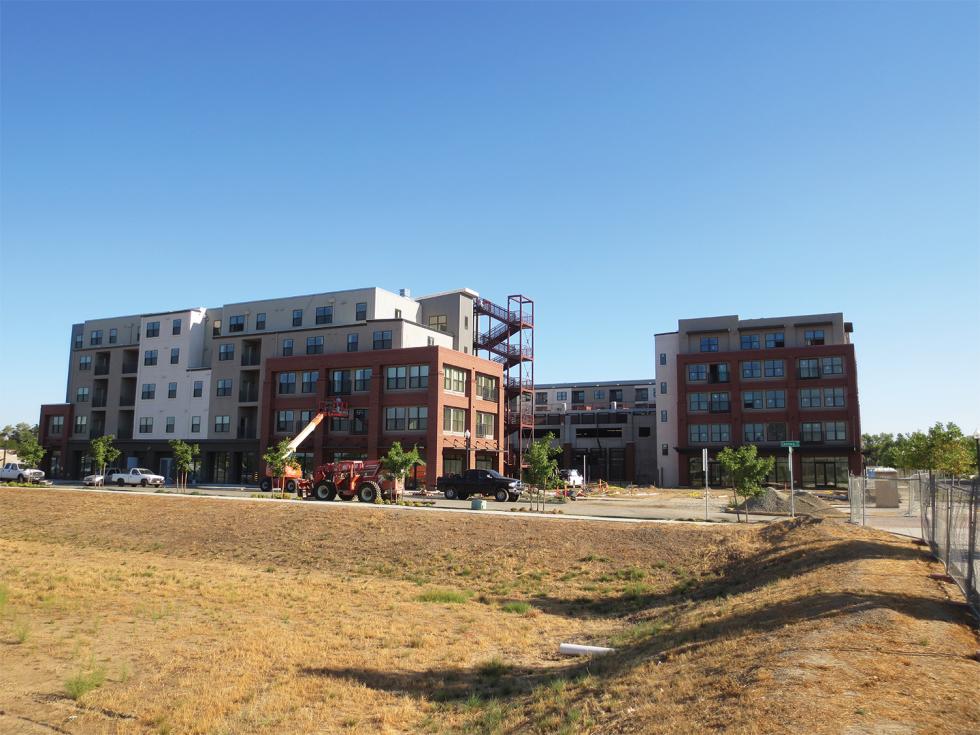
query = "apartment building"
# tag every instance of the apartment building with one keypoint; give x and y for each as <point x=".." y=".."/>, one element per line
<point x="724" y="381"/>
<point x="610" y="426"/>
<point x="199" y="374"/>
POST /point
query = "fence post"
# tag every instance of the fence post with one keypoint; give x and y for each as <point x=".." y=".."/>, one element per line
<point x="932" y="502"/>
<point x="949" y="522"/>
<point x="971" y="579"/>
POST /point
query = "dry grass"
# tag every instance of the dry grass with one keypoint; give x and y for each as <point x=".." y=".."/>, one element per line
<point x="207" y="616"/>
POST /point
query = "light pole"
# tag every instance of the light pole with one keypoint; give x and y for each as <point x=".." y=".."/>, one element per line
<point x="466" y="436"/>
<point x="4" y="436"/>
<point x="976" y="438"/>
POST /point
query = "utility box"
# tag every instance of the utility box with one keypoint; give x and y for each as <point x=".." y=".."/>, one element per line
<point x="885" y="491"/>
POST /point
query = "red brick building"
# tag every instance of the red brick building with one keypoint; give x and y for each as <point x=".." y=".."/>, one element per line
<point x="425" y="396"/>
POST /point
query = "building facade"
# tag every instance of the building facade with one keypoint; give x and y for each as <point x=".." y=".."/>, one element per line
<point x="200" y="374"/>
<point x="609" y="427"/>
<point x="724" y="381"/>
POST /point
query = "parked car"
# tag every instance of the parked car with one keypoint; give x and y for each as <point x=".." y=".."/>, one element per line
<point x="480" y="482"/>
<point x="136" y="476"/>
<point x="20" y="472"/>
<point x="572" y="478"/>
<point x="94" y="480"/>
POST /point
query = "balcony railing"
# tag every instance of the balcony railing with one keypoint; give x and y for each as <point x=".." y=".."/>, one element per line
<point x="247" y="432"/>
<point x="127" y="400"/>
<point x="251" y="359"/>
<point x="125" y="434"/>
<point x="130" y="366"/>
<point x="248" y="394"/>
<point x="98" y="402"/>
<point x="101" y="369"/>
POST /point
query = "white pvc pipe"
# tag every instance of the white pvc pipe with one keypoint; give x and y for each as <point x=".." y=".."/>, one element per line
<point x="574" y="649"/>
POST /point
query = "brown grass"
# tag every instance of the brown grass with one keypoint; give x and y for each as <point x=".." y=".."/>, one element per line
<point x="209" y="616"/>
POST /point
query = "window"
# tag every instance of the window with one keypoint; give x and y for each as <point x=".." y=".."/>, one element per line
<point x="663" y="358"/>
<point x="598" y="395"/>
<point x="418" y="376"/>
<point x="395" y="418"/>
<point x="396" y="378"/>
<point x="149" y="391"/>
<point x="697" y="373"/>
<point x="775" y="368"/>
<point x="175" y="327"/>
<point x="152" y="329"/>
<point x="398" y="313"/>
<point x="809" y="369"/>
<point x="709" y="344"/>
<point x="236" y="323"/>
<point x="775" y="399"/>
<point x="287" y="383"/>
<point x="833" y="398"/>
<point x="324" y="315"/>
<point x="454" y="420"/>
<point x="174" y="355"/>
<point x="339" y="382"/>
<point x="305" y="417"/>
<point x="352" y="343"/>
<point x="775" y="339"/>
<point x="697" y="401"/>
<point x="485" y="423"/>
<point x="753" y="432"/>
<point x="81" y="424"/>
<point x="260" y="320"/>
<point x="81" y="395"/>
<point x="216" y="328"/>
<point x="540" y="398"/>
<point x="811" y="431"/>
<point x="835" y="431"/>
<point x="440" y="323"/>
<point x="359" y="421"/>
<point x="813" y="336"/>
<point x="697" y="434"/>
<point x="720" y="432"/>
<point x="339" y="423"/>
<point x="314" y="345"/>
<point x="222" y="424"/>
<point x="172" y="390"/>
<point x="224" y="387"/>
<point x="360" y="311"/>
<point x="809" y="398"/>
<point x="56" y="425"/>
<point x="578" y="396"/>
<point x="169" y="428"/>
<point x="198" y="388"/>
<point x="663" y="417"/>
<point x="382" y="339"/>
<point x="563" y="395"/>
<point x="718" y="373"/>
<point x="616" y="394"/>
<point x="720" y="403"/>
<point x="486" y="388"/>
<point x="663" y="448"/>
<point x="113" y="336"/>
<point x="430" y="341"/>
<point x="362" y="379"/>
<point x="310" y="379"/>
<point x="750" y="342"/>
<point x="85" y="362"/>
<point x="146" y="424"/>
<point x="644" y="432"/>
<point x="663" y="391"/>
<point x="455" y="380"/>
<point x="643" y="394"/>
<point x="752" y="399"/>
<point x="195" y="424"/>
<point x="287" y="347"/>
<point x="284" y="421"/>
<point x="95" y="338"/>
<point x="418" y="418"/>
<point x="150" y="357"/>
<point x="78" y="341"/>
<point x="297" y="317"/>
<point x="833" y="365"/>
<point x="776" y="432"/>
<point x="226" y="351"/>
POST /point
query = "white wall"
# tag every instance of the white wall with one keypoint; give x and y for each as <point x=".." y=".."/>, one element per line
<point x="668" y="466"/>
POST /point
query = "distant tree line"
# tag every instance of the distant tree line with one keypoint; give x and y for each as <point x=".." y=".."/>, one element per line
<point x="943" y="448"/>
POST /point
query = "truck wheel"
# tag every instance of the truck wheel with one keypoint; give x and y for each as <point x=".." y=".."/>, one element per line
<point x="265" y="484"/>
<point x="501" y="496"/>
<point x="20" y="478"/>
<point x="450" y="493"/>
<point x="290" y="486"/>
<point x="143" y="483"/>
<point x="367" y="492"/>
<point x="120" y="482"/>
<point x="325" y="491"/>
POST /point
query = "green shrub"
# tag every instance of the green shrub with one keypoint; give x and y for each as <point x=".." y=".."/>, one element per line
<point x="84" y="682"/>
<point x="517" y="607"/>
<point x="453" y="597"/>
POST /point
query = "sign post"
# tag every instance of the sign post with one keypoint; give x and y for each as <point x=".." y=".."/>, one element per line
<point x="704" y="466"/>
<point x="792" y="492"/>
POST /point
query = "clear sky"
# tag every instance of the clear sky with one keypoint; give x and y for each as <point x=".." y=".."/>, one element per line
<point x="625" y="164"/>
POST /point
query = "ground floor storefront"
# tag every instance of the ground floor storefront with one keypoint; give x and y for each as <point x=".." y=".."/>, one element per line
<point x="817" y="470"/>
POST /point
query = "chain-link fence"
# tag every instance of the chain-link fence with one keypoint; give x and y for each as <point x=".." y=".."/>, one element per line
<point x="949" y="526"/>
<point x="896" y="496"/>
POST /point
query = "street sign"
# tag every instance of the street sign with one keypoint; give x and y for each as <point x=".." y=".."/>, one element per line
<point x="789" y="444"/>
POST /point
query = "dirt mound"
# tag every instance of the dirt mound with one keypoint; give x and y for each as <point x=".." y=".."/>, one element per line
<point x="776" y="502"/>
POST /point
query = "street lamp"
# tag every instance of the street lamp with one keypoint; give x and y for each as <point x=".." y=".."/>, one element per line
<point x="976" y="438"/>
<point x="466" y="436"/>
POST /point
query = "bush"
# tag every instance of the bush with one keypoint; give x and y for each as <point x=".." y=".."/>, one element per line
<point x="517" y="607"/>
<point x="451" y="597"/>
<point x="84" y="681"/>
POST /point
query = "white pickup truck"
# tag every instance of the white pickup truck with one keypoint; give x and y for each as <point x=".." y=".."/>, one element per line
<point x="136" y="476"/>
<point x="19" y="472"/>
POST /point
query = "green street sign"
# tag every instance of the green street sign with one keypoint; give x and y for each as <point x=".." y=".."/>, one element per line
<point x="789" y="444"/>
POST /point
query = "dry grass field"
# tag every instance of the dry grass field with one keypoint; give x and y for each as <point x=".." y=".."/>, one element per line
<point x="150" y="614"/>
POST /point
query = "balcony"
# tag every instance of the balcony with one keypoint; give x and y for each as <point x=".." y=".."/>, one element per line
<point x="251" y="359"/>
<point x="126" y="433"/>
<point x="248" y="432"/>
<point x="102" y="369"/>
<point x="248" y="393"/>
<point x="99" y="401"/>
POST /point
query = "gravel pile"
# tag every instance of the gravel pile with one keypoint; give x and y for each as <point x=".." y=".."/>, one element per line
<point x="777" y="502"/>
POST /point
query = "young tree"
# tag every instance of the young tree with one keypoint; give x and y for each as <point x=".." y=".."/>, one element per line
<point x="877" y="449"/>
<point x="103" y="452"/>
<point x="184" y="456"/>
<point x="28" y="450"/>
<point x="948" y="451"/>
<point x="542" y="462"/>
<point x="278" y="457"/>
<point x="748" y="471"/>
<point x="398" y="463"/>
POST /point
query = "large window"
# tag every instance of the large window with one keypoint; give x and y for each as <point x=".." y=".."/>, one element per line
<point x="149" y="391"/>
<point x="418" y="418"/>
<point x="775" y="368"/>
<point x="287" y="347"/>
<point x="752" y="369"/>
<point x="809" y="398"/>
<point x="352" y="342"/>
<point x="56" y="425"/>
<point x="598" y="395"/>
<point x="454" y="420"/>
<point x="226" y="351"/>
<point x="146" y="424"/>
<point x="153" y="329"/>
<point x="362" y="379"/>
<point x="81" y="395"/>
<point x="297" y="317"/>
<point x="81" y="424"/>
<point x="172" y="390"/>
<point x="811" y="431"/>
<point x="314" y="345"/>
<point x="359" y="421"/>
<point x="835" y="431"/>
<point x="382" y="339"/>
<point x="486" y="388"/>
<point x="236" y="323"/>
<point x="439" y="322"/>
<point x="753" y="399"/>
<point x="813" y="336"/>
<point x="578" y="396"/>
<point x="563" y="396"/>
<point x="697" y="401"/>
<point x="750" y="342"/>
<point x="455" y="380"/>
<point x="709" y="344"/>
<point x="718" y="372"/>
<point x="485" y="423"/>
<point x="643" y="394"/>
<point x="720" y="403"/>
<point x="324" y="315"/>
<point x="775" y="399"/>
<point x="150" y="357"/>
<point x="95" y="338"/>
<point x="418" y="376"/>
<point x="697" y="433"/>
<point x="616" y="394"/>
<point x="310" y="379"/>
<point x="396" y="378"/>
<point x="222" y="424"/>
<point x="287" y="383"/>
<point x="697" y="373"/>
<point x="360" y="311"/>
<point x="339" y="382"/>
<point x="833" y="365"/>
<point x="174" y="355"/>
<point x="809" y="368"/>
<point x="753" y="432"/>
<point x="775" y="339"/>
<point x="395" y="418"/>
<point x="720" y="433"/>
<point x="834" y="398"/>
<point x="776" y="432"/>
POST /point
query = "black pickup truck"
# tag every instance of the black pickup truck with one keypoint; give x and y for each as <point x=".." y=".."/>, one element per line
<point x="479" y="482"/>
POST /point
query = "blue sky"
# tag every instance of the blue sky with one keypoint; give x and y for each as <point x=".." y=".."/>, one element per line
<point x="625" y="165"/>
